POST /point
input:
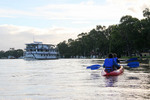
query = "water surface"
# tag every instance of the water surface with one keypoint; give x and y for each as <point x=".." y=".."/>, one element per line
<point x="68" y="79"/>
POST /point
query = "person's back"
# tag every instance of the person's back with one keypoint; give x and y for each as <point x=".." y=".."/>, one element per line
<point x="116" y="61"/>
<point x="110" y="64"/>
<point x="116" y="58"/>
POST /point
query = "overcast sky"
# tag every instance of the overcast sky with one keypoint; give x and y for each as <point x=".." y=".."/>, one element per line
<point x="52" y="21"/>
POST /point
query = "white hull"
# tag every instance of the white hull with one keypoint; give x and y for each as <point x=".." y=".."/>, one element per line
<point x="36" y="56"/>
<point x="40" y="56"/>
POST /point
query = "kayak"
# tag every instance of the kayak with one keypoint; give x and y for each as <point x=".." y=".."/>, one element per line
<point x="113" y="73"/>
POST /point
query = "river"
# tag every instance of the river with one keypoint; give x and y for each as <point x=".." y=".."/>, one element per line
<point x="68" y="79"/>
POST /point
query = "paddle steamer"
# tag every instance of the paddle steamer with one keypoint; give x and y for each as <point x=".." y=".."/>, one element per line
<point x="38" y="50"/>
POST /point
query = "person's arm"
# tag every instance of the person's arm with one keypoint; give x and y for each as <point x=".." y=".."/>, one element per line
<point x="118" y="61"/>
<point x="116" y="64"/>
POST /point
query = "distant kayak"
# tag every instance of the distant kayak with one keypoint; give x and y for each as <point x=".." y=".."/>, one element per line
<point x="113" y="73"/>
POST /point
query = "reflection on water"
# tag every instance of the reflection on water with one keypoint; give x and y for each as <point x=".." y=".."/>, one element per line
<point x="95" y="76"/>
<point x="68" y="79"/>
<point x="133" y="78"/>
<point x="111" y="80"/>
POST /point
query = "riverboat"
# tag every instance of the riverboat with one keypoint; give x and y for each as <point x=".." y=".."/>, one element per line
<point x="40" y="51"/>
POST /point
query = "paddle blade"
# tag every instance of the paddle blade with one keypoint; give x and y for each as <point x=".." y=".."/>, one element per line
<point x="93" y="67"/>
<point x="132" y="59"/>
<point x="133" y="64"/>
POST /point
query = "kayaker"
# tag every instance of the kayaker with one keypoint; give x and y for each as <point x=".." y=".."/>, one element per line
<point x="109" y="64"/>
<point x="116" y="58"/>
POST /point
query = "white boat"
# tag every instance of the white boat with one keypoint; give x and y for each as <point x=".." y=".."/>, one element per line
<point x="38" y="50"/>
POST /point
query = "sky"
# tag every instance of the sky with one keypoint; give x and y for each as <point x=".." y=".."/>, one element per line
<point x="53" y="21"/>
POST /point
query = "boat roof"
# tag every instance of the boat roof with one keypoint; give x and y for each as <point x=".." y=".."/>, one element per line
<point x="37" y="43"/>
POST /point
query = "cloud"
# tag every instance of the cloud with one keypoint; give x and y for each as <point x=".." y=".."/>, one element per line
<point x="86" y="14"/>
<point x="14" y="13"/>
<point x="89" y="10"/>
<point x="132" y="7"/>
<point x="13" y="36"/>
<point x="81" y="11"/>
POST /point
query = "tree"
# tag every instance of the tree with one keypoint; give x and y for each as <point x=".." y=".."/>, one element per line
<point x="15" y="53"/>
<point x="63" y="49"/>
<point x="130" y="36"/>
<point x="146" y="13"/>
<point x="2" y="54"/>
<point x="129" y="32"/>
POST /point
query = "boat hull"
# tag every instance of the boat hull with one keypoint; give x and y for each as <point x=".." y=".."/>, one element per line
<point x="41" y="55"/>
<point x="114" y="73"/>
<point x="34" y="56"/>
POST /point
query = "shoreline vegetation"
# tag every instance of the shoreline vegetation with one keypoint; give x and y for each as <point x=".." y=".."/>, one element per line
<point x="130" y="38"/>
<point x="11" y="54"/>
<point x="18" y="54"/>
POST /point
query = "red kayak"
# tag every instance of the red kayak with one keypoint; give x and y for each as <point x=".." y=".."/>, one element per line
<point x="113" y="73"/>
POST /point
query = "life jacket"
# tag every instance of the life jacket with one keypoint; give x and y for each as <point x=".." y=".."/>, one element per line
<point x="116" y="59"/>
<point x="108" y="64"/>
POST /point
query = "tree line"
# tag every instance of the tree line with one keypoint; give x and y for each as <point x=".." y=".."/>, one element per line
<point x="130" y="36"/>
<point x="13" y="53"/>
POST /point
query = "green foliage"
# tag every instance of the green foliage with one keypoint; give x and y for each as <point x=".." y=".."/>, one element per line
<point x="129" y="37"/>
<point x="15" y="53"/>
<point x="87" y="44"/>
<point x="146" y="13"/>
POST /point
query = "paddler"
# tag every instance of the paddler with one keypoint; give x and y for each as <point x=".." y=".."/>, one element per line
<point x="116" y="58"/>
<point x="109" y="64"/>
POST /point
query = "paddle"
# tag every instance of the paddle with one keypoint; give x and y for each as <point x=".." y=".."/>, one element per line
<point x="132" y="59"/>
<point x="93" y="67"/>
<point x="133" y="64"/>
<point x="130" y="64"/>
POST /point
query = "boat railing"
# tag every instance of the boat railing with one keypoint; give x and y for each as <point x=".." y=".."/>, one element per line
<point x="39" y="52"/>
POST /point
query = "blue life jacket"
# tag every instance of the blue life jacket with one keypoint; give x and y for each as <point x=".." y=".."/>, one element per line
<point x="108" y="64"/>
<point x="115" y="59"/>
